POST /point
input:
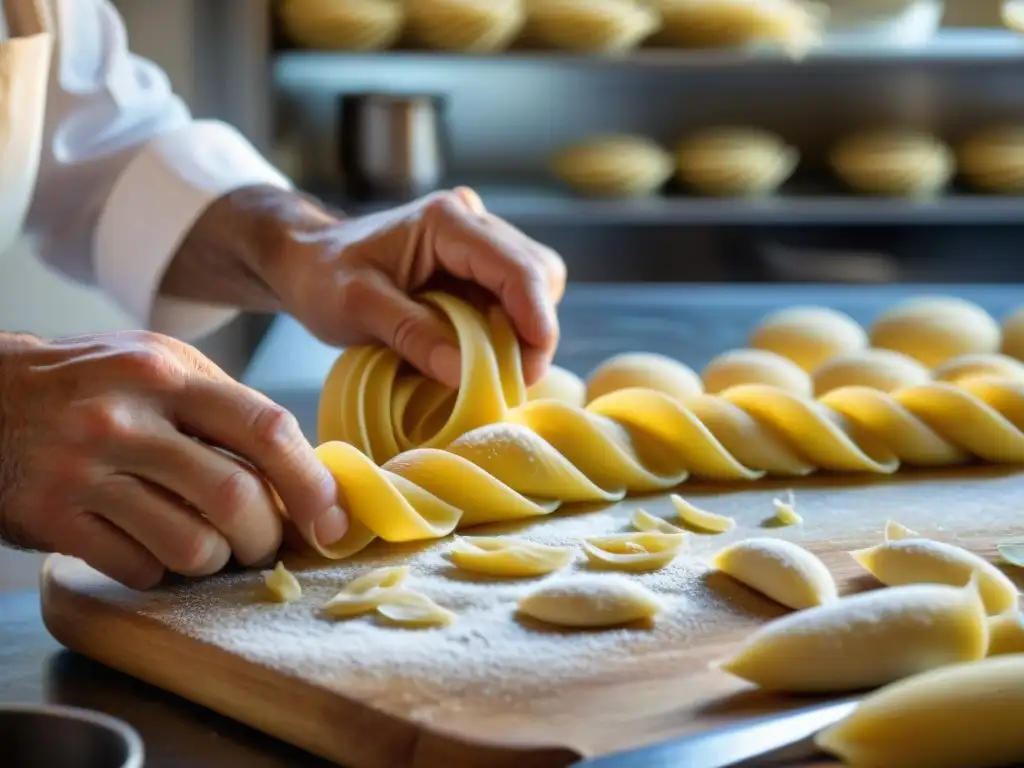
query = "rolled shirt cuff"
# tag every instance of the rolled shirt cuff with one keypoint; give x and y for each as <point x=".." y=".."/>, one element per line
<point x="154" y="205"/>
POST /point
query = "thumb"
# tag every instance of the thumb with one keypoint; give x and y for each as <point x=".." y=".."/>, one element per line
<point x="411" y="329"/>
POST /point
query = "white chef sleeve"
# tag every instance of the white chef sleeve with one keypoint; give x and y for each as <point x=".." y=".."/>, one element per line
<point x="125" y="171"/>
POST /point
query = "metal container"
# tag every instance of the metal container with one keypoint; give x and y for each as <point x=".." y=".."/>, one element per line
<point x="66" y="737"/>
<point x="392" y="146"/>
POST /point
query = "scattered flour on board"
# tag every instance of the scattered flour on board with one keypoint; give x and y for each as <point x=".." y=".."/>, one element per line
<point x="488" y="650"/>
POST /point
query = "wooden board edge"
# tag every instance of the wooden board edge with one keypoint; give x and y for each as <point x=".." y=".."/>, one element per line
<point x="81" y="622"/>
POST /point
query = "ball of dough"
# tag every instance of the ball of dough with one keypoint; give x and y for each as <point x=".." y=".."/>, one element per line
<point x="979" y="364"/>
<point x="933" y="329"/>
<point x="602" y="26"/>
<point x="1013" y="334"/>
<point x="647" y="370"/>
<point x="467" y="26"/>
<point x="356" y="25"/>
<point x="791" y="24"/>
<point x="780" y="570"/>
<point x="755" y="366"/>
<point x="893" y="162"/>
<point x="614" y="166"/>
<point x="992" y="159"/>
<point x="587" y="601"/>
<point x="880" y="369"/>
<point x="734" y="161"/>
<point x="559" y="384"/>
<point x="809" y="336"/>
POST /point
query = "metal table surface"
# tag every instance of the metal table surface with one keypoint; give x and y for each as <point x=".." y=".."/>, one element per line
<point x="691" y="323"/>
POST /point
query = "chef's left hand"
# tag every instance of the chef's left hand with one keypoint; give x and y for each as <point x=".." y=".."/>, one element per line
<point x="350" y="283"/>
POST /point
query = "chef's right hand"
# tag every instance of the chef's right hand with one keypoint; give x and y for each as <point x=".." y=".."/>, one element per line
<point x="109" y="452"/>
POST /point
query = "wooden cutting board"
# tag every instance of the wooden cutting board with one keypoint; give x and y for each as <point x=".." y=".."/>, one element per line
<point x="489" y="690"/>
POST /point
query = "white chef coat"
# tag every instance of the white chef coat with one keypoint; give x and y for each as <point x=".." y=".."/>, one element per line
<point x="125" y="170"/>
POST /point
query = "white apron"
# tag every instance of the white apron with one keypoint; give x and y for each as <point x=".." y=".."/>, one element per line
<point x="25" y="52"/>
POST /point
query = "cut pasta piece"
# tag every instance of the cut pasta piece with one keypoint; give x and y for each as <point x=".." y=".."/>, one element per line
<point x="785" y="511"/>
<point x="282" y="584"/>
<point x="699" y="518"/>
<point x="645" y="521"/>
<point x="389" y="576"/>
<point x="865" y="640"/>
<point x="1006" y="633"/>
<point x="779" y="569"/>
<point x="413" y="609"/>
<point x="642" y="551"/>
<point x="590" y="601"/>
<point x="966" y="714"/>
<point x="346" y="605"/>
<point x="895" y="532"/>
<point x="507" y="556"/>
<point x="915" y="561"/>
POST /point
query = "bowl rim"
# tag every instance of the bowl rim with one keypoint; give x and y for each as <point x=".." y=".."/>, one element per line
<point x="129" y="736"/>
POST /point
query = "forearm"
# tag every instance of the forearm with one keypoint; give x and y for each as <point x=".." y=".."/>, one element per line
<point x="232" y="254"/>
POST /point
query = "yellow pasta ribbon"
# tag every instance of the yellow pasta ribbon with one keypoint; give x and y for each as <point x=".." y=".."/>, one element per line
<point x="416" y="461"/>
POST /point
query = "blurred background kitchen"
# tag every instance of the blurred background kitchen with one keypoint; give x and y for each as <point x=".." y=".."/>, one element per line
<point x="415" y="110"/>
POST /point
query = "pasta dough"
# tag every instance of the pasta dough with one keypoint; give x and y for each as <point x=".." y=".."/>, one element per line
<point x="355" y="25"/>
<point x="734" y="161"/>
<point x="880" y="369"/>
<point x="561" y="385"/>
<point x="364" y="593"/>
<point x="415" y="460"/>
<point x="911" y="561"/>
<point x="614" y="166"/>
<point x="779" y="569"/>
<point x="865" y="640"/>
<point x="979" y="364"/>
<point x="700" y="518"/>
<point x="644" y="521"/>
<point x="414" y="610"/>
<point x="992" y="159"/>
<point x="755" y="366"/>
<point x="587" y="601"/>
<point x="893" y="162"/>
<point x="895" y="531"/>
<point x="641" y="551"/>
<point x="785" y="511"/>
<point x="282" y="584"/>
<point x="966" y="714"/>
<point x="466" y="26"/>
<point x="1006" y="633"/>
<point x="604" y="26"/>
<point x="809" y="336"/>
<point x="934" y="329"/>
<point x="507" y="556"/>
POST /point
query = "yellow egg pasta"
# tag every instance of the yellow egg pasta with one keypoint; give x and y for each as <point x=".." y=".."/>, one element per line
<point x="1006" y="633"/>
<point x="809" y="336"/>
<point x="354" y="25"/>
<point x="779" y="569"/>
<point x="613" y="166"/>
<point x="507" y="556"/>
<point x="936" y="329"/>
<point x="895" y="531"/>
<point x="407" y="608"/>
<point x="710" y="522"/>
<point x="785" y="511"/>
<point x="593" y="26"/>
<point x="754" y="366"/>
<point x="466" y="26"/>
<point x="586" y="601"/>
<point x="282" y="585"/>
<point x="645" y="521"/>
<point x="637" y="552"/>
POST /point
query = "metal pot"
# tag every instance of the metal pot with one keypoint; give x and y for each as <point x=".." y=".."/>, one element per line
<point x="392" y="146"/>
<point x="69" y="737"/>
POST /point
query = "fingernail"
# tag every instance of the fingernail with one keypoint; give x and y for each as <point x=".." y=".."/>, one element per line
<point x="330" y="527"/>
<point x="445" y="362"/>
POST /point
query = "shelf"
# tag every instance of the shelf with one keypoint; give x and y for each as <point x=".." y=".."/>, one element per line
<point x="956" y="46"/>
<point x="539" y="206"/>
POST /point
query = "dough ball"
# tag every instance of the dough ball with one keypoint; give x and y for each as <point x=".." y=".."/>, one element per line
<point x="866" y="640"/>
<point x="598" y="26"/>
<point x="614" y="166"/>
<point x="992" y="160"/>
<point x="779" y="569"/>
<point x="893" y="162"/>
<point x="755" y="366"/>
<point x="647" y="370"/>
<point x="590" y="601"/>
<point x="466" y="26"/>
<point x="790" y="24"/>
<point x="734" y="161"/>
<point x="355" y="25"/>
<point x="966" y="714"/>
<point x="559" y="384"/>
<point x="880" y="369"/>
<point x="1013" y="334"/>
<point x="979" y="364"/>
<point x="809" y="336"/>
<point x="933" y="329"/>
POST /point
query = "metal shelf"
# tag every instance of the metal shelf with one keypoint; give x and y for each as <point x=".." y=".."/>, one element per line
<point x="954" y="46"/>
<point x="540" y="205"/>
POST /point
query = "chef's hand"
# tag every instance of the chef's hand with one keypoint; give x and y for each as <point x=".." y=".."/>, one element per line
<point x="350" y="282"/>
<point x="108" y="452"/>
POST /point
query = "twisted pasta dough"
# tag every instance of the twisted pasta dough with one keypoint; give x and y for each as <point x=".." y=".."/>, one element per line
<point x="415" y="460"/>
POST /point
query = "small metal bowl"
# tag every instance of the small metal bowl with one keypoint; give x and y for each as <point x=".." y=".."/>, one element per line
<point x="66" y="737"/>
